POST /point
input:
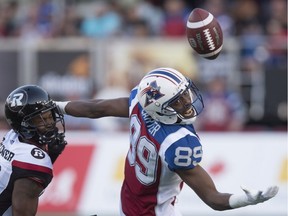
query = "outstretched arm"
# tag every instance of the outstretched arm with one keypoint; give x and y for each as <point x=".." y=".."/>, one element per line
<point x="118" y="107"/>
<point x="200" y="181"/>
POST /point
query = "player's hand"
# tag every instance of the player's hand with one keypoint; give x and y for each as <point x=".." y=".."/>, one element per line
<point x="259" y="196"/>
<point x="252" y="197"/>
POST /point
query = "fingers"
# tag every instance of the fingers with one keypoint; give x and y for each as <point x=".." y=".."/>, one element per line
<point x="261" y="196"/>
<point x="244" y="188"/>
<point x="251" y="193"/>
<point x="258" y="196"/>
<point x="271" y="191"/>
<point x="252" y="197"/>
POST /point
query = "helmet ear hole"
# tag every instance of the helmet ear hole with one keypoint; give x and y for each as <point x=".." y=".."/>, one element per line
<point x="160" y="114"/>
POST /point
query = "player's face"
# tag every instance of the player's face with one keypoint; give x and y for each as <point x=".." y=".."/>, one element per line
<point x="43" y="122"/>
<point x="183" y="106"/>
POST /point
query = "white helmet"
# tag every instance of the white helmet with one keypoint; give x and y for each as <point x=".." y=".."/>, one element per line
<point x="162" y="86"/>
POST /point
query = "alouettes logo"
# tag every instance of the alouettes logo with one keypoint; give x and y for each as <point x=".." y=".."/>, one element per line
<point x="152" y="93"/>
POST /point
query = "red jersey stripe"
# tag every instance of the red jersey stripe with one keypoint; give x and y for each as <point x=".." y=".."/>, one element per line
<point x="34" y="167"/>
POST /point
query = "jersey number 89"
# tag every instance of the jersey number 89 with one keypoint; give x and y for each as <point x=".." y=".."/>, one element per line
<point x="143" y="154"/>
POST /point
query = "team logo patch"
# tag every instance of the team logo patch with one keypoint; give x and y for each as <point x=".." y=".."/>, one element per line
<point x="37" y="153"/>
<point x="17" y="100"/>
<point x="152" y="93"/>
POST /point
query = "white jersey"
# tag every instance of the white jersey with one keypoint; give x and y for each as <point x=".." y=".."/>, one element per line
<point x="20" y="160"/>
<point x="156" y="150"/>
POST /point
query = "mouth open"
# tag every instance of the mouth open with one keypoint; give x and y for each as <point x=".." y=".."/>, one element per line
<point x="189" y="113"/>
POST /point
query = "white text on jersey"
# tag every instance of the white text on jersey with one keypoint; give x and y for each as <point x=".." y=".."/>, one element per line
<point x="6" y="154"/>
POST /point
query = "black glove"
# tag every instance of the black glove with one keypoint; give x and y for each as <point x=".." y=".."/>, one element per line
<point x="57" y="147"/>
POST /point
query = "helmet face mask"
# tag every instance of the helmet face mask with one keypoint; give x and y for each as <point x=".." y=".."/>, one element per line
<point x="44" y="125"/>
<point x="161" y="89"/>
<point x="33" y="115"/>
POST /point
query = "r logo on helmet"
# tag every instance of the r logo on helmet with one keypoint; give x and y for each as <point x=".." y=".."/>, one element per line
<point x="16" y="99"/>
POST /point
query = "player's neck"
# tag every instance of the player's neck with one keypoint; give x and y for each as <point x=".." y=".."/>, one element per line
<point x="31" y="142"/>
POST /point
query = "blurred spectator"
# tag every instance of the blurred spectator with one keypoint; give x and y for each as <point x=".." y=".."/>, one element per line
<point x="224" y="109"/>
<point x="69" y="25"/>
<point x="175" y="18"/>
<point x="152" y="15"/>
<point x="276" y="29"/>
<point x="39" y="22"/>
<point x="245" y="12"/>
<point x="8" y="26"/>
<point x="104" y="22"/>
<point x="248" y="26"/>
<point x="141" y="19"/>
<point x="251" y="38"/>
<point x="220" y="11"/>
<point x="276" y="44"/>
<point x="133" y="24"/>
<point x="278" y="11"/>
<point x="45" y="13"/>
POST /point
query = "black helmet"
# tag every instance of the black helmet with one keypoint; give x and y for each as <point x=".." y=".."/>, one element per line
<point x="27" y="102"/>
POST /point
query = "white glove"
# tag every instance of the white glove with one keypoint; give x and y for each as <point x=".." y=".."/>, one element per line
<point x="252" y="197"/>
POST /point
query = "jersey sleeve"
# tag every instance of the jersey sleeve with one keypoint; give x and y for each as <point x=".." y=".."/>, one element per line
<point x="41" y="177"/>
<point x="34" y="164"/>
<point x="185" y="153"/>
<point x="132" y="99"/>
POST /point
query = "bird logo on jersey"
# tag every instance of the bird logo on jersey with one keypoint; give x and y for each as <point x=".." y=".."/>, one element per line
<point x="152" y="93"/>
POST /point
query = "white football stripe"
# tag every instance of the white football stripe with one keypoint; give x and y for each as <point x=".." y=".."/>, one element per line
<point x="212" y="53"/>
<point x="194" y="25"/>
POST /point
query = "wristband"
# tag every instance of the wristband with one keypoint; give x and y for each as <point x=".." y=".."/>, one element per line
<point x="237" y="201"/>
<point x="62" y="105"/>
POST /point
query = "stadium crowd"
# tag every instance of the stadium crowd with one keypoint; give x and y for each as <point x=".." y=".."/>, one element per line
<point x="135" y="18"/>
<point x="261" y="27"/>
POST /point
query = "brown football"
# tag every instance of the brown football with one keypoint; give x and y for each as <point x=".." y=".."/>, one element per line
<point x="204" y="33"/>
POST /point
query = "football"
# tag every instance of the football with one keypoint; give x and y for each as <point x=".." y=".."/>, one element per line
<point x="204" y="33"/>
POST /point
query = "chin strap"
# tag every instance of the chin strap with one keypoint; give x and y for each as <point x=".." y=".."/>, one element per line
<point x="57" y="147"/>
<point x="187" y="121"/>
